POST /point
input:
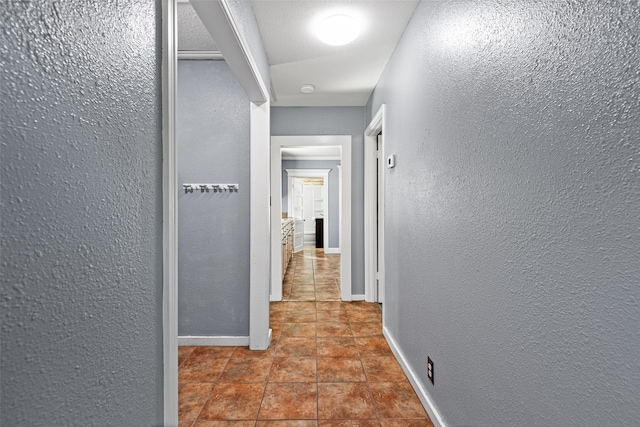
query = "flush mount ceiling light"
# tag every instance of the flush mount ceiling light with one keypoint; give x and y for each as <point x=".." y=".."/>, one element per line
<point x="337" y="30"/>
<point x="307" y="88"/>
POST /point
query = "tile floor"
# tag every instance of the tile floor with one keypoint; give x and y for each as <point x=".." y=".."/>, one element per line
<point x="328" y="365"/>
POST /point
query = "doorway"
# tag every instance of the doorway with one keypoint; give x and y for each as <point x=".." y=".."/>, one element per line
<point x="374" y="169"/>
<point x="306" y="200"/>
<point x="344" y="221"/>
<point x="220" y="23"/>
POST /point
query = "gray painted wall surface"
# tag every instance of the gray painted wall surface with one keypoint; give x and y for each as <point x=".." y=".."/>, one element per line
<point x="213" y="228"/>
<point x="512" y="213"/>
<point x="333" y="215"/>
<point x="334" y="121"/>
<point x="81" y="210"/>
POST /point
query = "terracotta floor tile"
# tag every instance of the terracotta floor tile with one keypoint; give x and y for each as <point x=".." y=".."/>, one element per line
<point x="299" y="329"/>
<point x="277" y="306"/>
<point x="297" y="347"/>
<point x="383" y="369"/>
<point x="366" y="329"/>
<point x="373" y="346"/>
<point x="328" y="295"/>
<point x="200" y="370"/>
<point x="334" y="329"/>
<point x="191" y="399"/>
<point x="298" y="307"/>
<point x="185" y="423"/>
<point x="397" y="400"/>
<point x="363" y="316"/>
<point x="332" y="316"/>
<point x="287" y="423"/>
<point x="233" y="402"/>
<point x="407" y="423"/>
<point x="325" y="284"/>
<point x="246" y="352"/>
<point x="293" y="370"/>
<point x="276" y="332"/>
<point x="289" y="401"/>
<point x="304" y="317"/>
<point x="361" y="305"/>
<point x="302" y="290"/>
<point x="340" y="369"/>
<point x="276" y="317"/>
<point x="345" y="401"/>
<point x="211" y="351"/>
<point x="325" y="290"/>
<point x="302" y="296"/>
<point x="184" y="352"/>
<point x="246" y="370"/>
<point x="305" y="285"/>
<point x="329" y="305"/>
<point x="337" y="347"/>
<point x="225" y="423"/>
<point x="348" y="423"/>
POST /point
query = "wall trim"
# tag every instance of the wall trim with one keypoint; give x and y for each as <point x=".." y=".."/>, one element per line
<point x="357" y="297"/>
<point x="222" y="341"/>
<point x="428" y="404"/>
<point x="374" y="284"/>
<point x="260" y="232"/>
<point x="200" y="55"/>
<point x="331" y="250"/>
<point x="169" y="215"/>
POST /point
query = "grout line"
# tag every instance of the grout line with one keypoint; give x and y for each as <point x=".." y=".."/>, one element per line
<point x="266" y="382"/>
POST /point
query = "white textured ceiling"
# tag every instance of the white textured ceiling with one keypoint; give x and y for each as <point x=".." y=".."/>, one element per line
<point x="342" y="75"/>
<point x="192" y="35"/>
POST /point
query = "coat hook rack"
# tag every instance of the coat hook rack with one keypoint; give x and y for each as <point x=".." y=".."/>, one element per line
<point x="216" y="188"/>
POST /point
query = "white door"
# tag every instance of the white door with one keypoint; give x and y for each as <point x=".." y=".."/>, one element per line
<point x="297" y="205"/>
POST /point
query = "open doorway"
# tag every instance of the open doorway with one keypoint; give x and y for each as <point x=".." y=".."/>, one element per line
<point x="339" y="244"/>
<point x="310" y="198"/>
<point x="221" y="25"/>
<point x="374" y="157"/>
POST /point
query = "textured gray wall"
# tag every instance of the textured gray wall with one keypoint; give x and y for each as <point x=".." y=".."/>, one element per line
<point x="512" y="214"/>
<point x="333" y="215"/>
<point x="335" y="121"/>
<point x="81" y="210"/>
<point x="213" y="228"/>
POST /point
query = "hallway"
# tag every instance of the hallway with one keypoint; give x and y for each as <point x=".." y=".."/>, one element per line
<point x="328" y="364"/>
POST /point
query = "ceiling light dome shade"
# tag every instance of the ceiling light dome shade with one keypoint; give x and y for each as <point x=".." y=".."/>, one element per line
<point x="307" y="89"/>
<point x="337" y="30"/>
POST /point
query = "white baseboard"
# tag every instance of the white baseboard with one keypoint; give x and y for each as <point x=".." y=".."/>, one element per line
<point x="331" y="250"/>
<point x="436" y="419"/>
<point x="357" y="297"/>
<point x="221" y="341"/>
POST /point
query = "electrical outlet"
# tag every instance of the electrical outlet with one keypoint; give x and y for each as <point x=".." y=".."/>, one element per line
<point x="430" y="369"/>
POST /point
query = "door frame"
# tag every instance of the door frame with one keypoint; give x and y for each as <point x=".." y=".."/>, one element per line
<point x="277" y="143"/>
<point x="374" y="206"/>
<point x="221" y="24"/>
<point x="313" y="173"/>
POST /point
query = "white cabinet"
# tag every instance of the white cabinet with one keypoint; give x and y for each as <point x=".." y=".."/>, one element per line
<point x="287" y="243"/>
